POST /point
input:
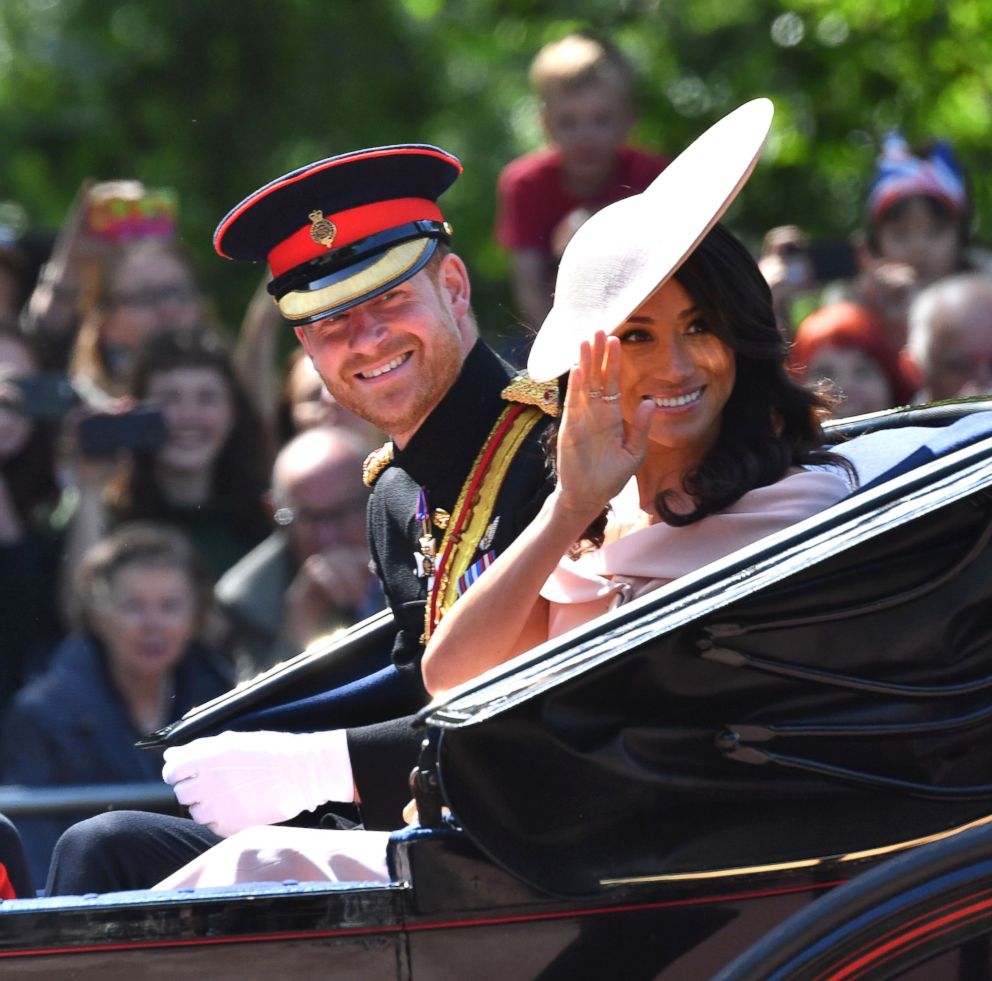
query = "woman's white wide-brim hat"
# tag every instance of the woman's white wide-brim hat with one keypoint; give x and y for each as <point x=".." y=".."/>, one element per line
<point x="625" y="251"/>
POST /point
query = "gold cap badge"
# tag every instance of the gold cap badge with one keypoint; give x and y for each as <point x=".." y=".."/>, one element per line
<point x="322" y="231"/>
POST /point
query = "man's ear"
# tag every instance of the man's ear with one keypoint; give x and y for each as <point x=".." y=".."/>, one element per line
<point x="301" y="336"/>
<point x="547" y="124"/>
<point x="453" y="281"/>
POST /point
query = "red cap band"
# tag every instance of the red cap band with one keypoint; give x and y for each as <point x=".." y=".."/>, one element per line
<point x="350" y="226"/>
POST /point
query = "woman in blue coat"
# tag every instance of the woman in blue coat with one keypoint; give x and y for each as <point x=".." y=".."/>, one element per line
<point x="134" y="664"/>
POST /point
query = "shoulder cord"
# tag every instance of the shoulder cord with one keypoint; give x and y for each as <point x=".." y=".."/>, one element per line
<point x="475" y="507"/>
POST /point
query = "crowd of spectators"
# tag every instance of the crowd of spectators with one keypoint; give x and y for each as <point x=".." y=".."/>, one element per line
<point x="913" y="299"/>
<point x="913" y="323"/>
<point x="179" y="511"/>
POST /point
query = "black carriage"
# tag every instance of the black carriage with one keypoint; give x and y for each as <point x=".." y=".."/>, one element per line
<point x="792" y="743"/>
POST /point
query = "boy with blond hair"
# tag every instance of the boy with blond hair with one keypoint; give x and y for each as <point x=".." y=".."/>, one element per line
<point x="585" y="86"/>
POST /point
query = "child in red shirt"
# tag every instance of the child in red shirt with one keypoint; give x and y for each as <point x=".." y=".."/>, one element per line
<point x="585" y="86"/>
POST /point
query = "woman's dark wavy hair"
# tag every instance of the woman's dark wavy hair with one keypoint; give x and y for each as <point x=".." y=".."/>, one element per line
<point x="770" y="422"/>
<point x="241" y="471"/>
<point x="31" y="473"/>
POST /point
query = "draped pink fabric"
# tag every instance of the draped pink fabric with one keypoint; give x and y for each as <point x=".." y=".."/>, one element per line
<point x="274" y="853"/>
<point x="633" y="562"/>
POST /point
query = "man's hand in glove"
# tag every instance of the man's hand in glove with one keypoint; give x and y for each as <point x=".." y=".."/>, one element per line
<point x="241" y="779"/>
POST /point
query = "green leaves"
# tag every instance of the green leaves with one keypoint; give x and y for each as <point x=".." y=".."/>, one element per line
<point x="216" y="98"/>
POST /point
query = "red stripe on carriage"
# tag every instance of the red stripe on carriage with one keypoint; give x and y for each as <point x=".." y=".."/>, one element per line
<point x="909" y="939"/>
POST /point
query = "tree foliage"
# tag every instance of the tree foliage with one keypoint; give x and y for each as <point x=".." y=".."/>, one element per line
<point x="216" y="98"/>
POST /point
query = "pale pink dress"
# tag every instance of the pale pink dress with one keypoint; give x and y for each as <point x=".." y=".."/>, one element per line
<point x="634" y="559"/>
<point x="273" y="853"/>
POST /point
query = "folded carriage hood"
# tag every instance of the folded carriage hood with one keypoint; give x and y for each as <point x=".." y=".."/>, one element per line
<point x="821" y="692"/>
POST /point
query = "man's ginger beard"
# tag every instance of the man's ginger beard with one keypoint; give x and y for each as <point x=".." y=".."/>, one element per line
<point x="440" y="367"/>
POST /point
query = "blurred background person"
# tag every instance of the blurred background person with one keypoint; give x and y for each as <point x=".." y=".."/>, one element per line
<point x="950" y="337"/>
<point x="117" y="274"/>
<point x="133" y="664"/>
<point x="144" y="287"/>
<point x="586" y="89"/>
<point x="311" y="576"/>
<point x="304" y="401"/>
<point x="51" y="315"/>
<point x="84" y="281"/>
<point x="15" y="275"/>
<point x="844" y="345"/>
<point x="208" y="475"/>
<point x="917" y="231"/>
<point x="30" y="541"/>
<point x="15" y="879"/>
<point x="787" y="266"/>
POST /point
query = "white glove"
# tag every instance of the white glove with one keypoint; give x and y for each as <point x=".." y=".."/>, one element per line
<point x="241" y="779"/>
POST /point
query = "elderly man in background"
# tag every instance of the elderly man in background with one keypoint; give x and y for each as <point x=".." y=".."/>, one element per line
<point x="950" y="337"/>
<point x="311" y="576"/>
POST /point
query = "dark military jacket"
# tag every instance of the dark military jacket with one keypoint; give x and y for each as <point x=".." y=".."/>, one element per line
<point x="438" y="459"/>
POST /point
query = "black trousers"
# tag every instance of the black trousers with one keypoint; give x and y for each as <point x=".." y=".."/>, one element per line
<point x="122" y="850"/>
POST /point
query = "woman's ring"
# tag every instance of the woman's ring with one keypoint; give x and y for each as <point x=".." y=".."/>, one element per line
<point x="594" y="393"/>
<point x="611" y="398"/>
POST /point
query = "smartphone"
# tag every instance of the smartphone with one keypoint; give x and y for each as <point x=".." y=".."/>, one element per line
<point x="43" y="396"/>
<point x="105" y="433"/>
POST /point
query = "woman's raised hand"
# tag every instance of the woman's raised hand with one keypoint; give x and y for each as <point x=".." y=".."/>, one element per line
<point x="597" y="452"/>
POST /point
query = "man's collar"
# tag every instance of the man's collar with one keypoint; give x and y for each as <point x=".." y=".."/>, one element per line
<point x="451" y="436"/>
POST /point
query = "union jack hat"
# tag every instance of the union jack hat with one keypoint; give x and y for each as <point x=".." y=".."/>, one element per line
<point x="343" y="230"/>
<point x="901" y="174"/>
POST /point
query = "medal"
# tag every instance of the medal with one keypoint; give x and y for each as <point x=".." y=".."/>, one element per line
<point x="485" y="543"/>
<point x="425" y="567"/>
<point x="424" y="558"/>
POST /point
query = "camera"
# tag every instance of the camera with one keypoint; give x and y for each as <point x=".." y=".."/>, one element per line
<point x="105" y="433"/>
<point x="44" y="395"/>
<point x="50" y="396"/>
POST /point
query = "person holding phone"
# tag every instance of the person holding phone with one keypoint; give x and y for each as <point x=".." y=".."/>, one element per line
<point x="114" y="273"/>
<point x="207" y="473"/>
<point x="143" y="287"/>
<point x="30" y="545"/>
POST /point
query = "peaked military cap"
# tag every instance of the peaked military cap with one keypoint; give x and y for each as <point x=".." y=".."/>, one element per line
<point x="343" y="230"/>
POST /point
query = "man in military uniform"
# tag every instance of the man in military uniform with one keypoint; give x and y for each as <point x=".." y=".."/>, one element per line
<point x="361" y="264"/>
